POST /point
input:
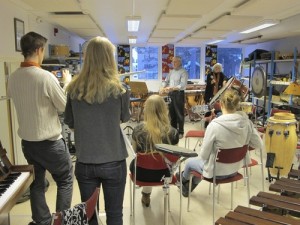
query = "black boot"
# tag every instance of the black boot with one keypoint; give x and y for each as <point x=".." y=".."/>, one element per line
<point x="146" y="199"/>
<point x="185" y="184"/>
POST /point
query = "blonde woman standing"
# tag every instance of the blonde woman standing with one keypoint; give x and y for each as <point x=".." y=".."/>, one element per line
<point x="96" y="105"/>
<point x="155" y="129"/>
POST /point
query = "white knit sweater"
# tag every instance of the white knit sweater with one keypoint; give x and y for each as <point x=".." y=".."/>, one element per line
<point x="38" y="98"/>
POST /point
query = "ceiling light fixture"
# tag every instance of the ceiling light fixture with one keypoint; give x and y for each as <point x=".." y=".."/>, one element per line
<point x="132" y="40"/>
<point x="264" y="24"/>
<point x="133" y="23"/>
<point x="215" y="41"/>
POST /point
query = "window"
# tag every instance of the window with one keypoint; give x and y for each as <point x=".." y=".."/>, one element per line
<point x="190" y="60"/>
<point x="230" y="58"/>
<point x="145" y="58"/>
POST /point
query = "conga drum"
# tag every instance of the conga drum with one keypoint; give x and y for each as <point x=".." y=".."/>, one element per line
<point x="281" y="142"/>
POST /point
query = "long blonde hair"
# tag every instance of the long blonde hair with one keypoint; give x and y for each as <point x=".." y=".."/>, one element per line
<point x="156" y="119"/>
<point x="98" y="78"/>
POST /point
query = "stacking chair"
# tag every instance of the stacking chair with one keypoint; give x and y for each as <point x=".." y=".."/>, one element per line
<point x="88" y="209"/>
<point x="199" y="134"/>
<point x="225" y="156"/>
<point x="154" y="161"/>
<point x="254" y="162"/>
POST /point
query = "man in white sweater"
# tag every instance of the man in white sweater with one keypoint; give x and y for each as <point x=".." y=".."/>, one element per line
<point x="38" y="99"/>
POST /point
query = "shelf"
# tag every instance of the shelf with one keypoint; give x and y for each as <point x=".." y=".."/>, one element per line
<point x="275" y="82"/>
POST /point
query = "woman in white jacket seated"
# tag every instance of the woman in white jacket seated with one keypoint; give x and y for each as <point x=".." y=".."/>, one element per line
<point x="230" y="130"/>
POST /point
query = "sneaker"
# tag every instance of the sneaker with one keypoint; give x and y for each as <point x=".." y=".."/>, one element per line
<point x="180" y="136"/>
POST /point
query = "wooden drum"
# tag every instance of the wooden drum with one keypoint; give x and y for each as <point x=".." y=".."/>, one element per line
<point x="193" y="97"/>
<point x="281" y="141"/>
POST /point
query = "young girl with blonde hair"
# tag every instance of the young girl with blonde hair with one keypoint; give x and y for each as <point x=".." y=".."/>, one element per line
<point x="155" y="129"/>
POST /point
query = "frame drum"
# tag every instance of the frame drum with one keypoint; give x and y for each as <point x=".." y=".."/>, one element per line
<point x="246" y="107"/>
<point x="281" y="140"/>
<point x="232" y="82"/>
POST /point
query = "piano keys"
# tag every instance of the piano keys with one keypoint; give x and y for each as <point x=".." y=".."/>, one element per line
<point x="14" y="181"/>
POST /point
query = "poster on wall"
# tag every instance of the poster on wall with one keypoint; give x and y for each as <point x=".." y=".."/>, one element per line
<point x="210" y="57"/>
<point x="167" y="57"/>
<point x="123" y="58"/>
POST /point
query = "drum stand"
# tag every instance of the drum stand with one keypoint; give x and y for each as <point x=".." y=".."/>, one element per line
<point x="270" y="162"/>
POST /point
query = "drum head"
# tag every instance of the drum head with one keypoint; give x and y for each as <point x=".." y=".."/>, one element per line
<point x="220" y="92"/>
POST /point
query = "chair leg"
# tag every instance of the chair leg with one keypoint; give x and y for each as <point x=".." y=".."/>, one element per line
<point x="262" y="170"/>
<point x="133" y="204"/>
<point x="169" y="209"/>
<point x="218" y="194"/>
<point x="248" y="186"/>
<point x="130" y="189"/>
<point x="190" y="188"/>
<point x="214" y="202"/>
<point x="187" y="141"/>
<point x="231" y="205"/>
<point x="180" y="213"/>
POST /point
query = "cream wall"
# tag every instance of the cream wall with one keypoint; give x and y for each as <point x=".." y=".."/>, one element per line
<point x="9" y="11"/>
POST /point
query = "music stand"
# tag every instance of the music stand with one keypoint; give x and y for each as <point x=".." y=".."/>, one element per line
<point x="139" y="90"/>
<point x="177" y="151"/>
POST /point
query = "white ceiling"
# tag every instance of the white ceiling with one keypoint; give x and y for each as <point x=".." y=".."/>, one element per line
<point x="182" y="22"/>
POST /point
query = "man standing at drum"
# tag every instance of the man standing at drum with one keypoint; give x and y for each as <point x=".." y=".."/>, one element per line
<point x="174" y="85"/>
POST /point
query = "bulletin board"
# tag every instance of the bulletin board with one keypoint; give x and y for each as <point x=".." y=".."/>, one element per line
<point x="123" y="58"/>
<point x="210" y="57"/>
<point x="167" y="57"/>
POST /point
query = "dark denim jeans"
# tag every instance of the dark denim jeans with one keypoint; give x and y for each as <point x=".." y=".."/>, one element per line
<point x="53" y="156"/>
<point x="112" y="176"/>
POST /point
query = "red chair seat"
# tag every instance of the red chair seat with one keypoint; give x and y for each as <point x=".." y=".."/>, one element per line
<point x="195" y="133"/>
<point x="261" y="129"/>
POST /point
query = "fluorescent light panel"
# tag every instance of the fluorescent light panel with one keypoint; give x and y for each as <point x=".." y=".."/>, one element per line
<point x="132" y="40"/>
<point x="215" y="41"/>
<point x="133" y="24"/>
<point x="264" y="25"/>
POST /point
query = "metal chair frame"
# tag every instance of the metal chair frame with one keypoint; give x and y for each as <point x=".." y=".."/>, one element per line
<point x="227" y="156"/>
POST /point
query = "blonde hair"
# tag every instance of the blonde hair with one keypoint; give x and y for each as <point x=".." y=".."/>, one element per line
<point x="98" y="78"/>
<point x="156" y="119"/>
<point x="231" y="99"/>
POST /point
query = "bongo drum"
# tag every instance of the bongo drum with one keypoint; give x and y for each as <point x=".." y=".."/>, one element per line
<point x="231" y="83"/>
<point x="281" y="142"/>
<point x="246" y="107"/>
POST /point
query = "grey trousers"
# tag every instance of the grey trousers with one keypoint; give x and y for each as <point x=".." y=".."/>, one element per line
<point x="54" y="157"/>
